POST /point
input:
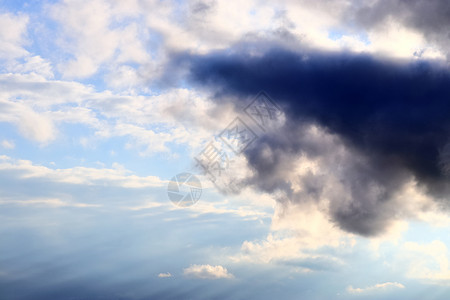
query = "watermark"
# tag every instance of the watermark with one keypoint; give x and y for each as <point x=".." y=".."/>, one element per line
<point x="220" y="161"/>
<point x="184" y="189"/>
<point x="238" y="136"/>
<point x="263" y="111"/>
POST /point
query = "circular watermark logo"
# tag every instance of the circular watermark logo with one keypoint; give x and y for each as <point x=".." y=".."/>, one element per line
<point x="184" y="189"/>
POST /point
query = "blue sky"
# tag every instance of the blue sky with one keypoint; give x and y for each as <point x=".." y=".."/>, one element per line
<point x="103" y="102"/>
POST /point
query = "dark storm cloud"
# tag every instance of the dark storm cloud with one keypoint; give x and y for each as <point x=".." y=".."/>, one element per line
<point x="393" y="117"/>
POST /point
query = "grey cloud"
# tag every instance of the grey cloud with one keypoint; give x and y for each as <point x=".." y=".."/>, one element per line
<point x="379" y="125"/>
<point x="359" y="191"/>
<point x="430" y="17"/>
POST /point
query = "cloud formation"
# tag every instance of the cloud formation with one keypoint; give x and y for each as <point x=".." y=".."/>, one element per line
<point x="207" y="272"/>
<point x="375" y="124"/>
<point x="430" y="18"/>
<point x="428" y="261"/>
<point x="363" y="151"/>
<point x="164" y="275"/>
<point x="376" y="287"/>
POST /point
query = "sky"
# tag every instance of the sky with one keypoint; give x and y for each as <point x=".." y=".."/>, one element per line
<point x="213" y="149"/>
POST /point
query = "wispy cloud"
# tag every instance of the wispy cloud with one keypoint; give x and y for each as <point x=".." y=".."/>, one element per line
<point x="52" y="202"/>
<point x="117" y="176"/>
<point x="376" y="287"/>
<point x="12" y="35"/>
<point x="8" y="144"/>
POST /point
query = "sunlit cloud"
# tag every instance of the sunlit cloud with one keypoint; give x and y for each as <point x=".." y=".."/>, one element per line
<point x="207" y="272"/>
<point x="375" y="288"/>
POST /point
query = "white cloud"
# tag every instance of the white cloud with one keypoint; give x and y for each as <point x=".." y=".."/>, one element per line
<point x="164" y="275"/>
<point x="85" y="25"/>
<point x="33" y="64"/>
<point x="37" y="105"/>
<point x="13" y="42"/>
<point x="145" y="206"/>
<point x="376" y="288"/>
<point x="92" y="34"/>
<point x="281" y="250"/>
<point x="429" y="262"/>
<point x="53" y="202"/>
<point x="123" y="78"/>
<point x="225" y="207"/>
<point x="12" y="36"/>
<point x="80" y="175"/>
<point x="395" y="40"/>
<point x="31" y="124"/>
<point x="296" y="233"/>
<point x="80" y="187"/>
<point x="40" y="92"/>
<point x="207" y="272"/>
